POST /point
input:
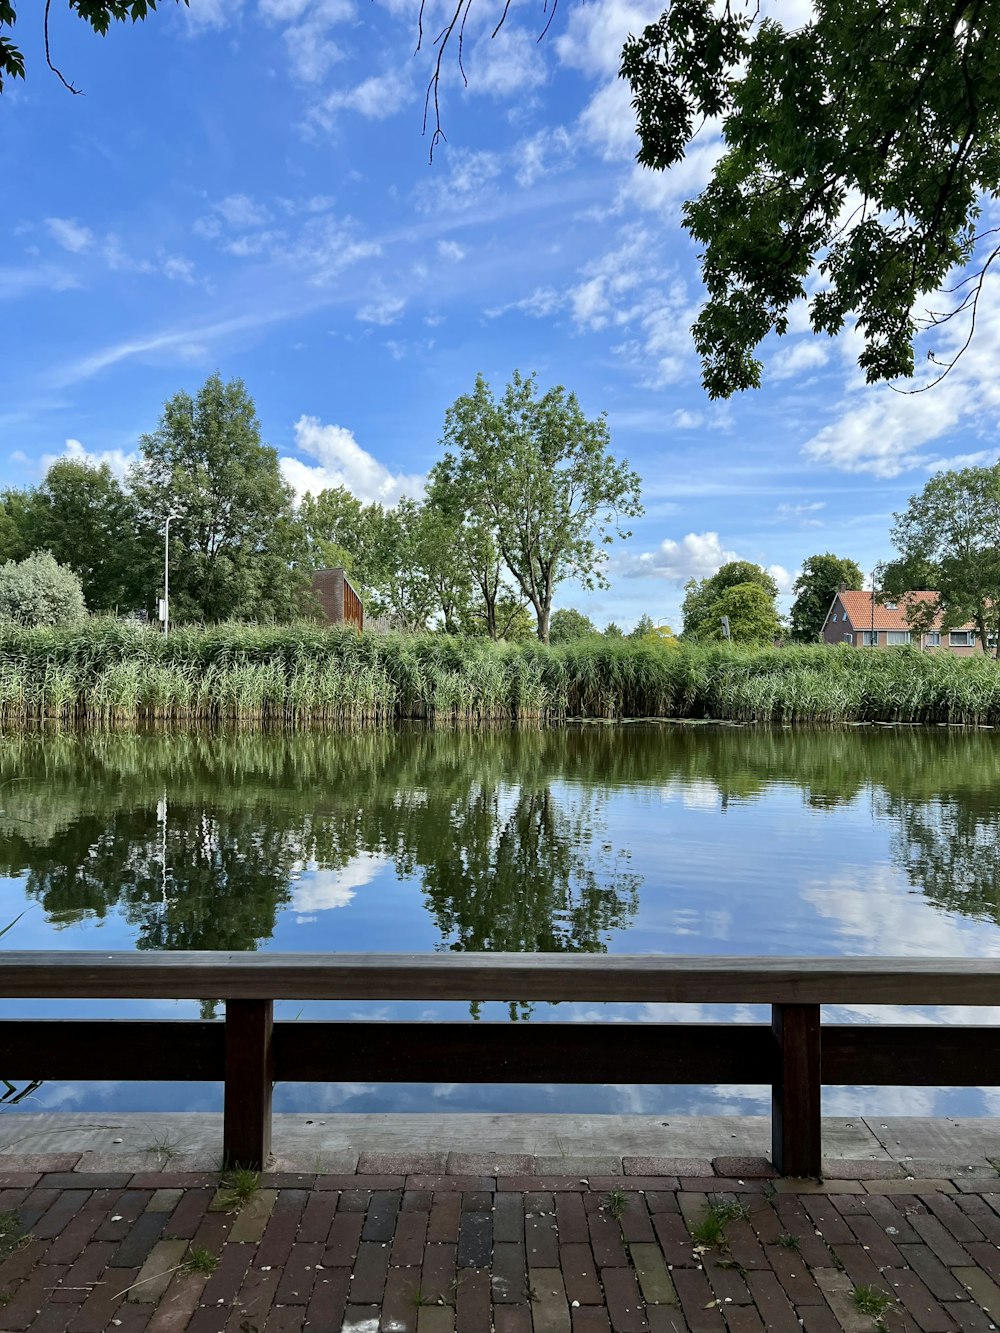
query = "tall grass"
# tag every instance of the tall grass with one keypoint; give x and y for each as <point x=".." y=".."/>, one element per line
<point x="107" y="674"/>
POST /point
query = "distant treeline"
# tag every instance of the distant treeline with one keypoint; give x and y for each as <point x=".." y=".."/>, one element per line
<point x="107" y="673"/>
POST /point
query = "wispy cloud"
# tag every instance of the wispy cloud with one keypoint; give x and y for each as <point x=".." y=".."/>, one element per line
<point x="70" y="234"/>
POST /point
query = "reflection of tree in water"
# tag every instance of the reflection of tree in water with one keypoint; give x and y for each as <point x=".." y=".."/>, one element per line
<point x="503" y="830"/>
<point x="523" y="875"/>
<point x="218" y="887"/>
<point x="950" y="850"/>
<point x="503" y="863"/>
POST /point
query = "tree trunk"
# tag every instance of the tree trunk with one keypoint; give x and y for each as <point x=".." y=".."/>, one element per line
<point x="544" y="614"/>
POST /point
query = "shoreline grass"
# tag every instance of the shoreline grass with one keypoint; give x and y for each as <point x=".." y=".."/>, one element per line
<point x="107" y="674"/>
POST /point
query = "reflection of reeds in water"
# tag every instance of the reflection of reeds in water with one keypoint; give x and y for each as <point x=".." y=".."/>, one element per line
<point x="107" y="674"/>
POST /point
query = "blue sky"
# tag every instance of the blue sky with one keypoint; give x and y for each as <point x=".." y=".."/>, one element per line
<point x="244" y="186"/>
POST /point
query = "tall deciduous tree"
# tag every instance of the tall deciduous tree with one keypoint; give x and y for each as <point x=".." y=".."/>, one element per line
<point x="233" y="538"/>
<point x="541" y="475"/>
<point x="568" y="624"/>
<point x="85" y="518"/>
<point x="492" y="607"/>
<point x="699" y="608"/>
<point x="16" y="524"/>
<point x="815" y="589"/>
<point x="859" y="147"/>
<point x="953" y="526"/>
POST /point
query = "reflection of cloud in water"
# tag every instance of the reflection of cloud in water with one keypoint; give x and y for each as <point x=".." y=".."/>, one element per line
<point x="694" y="793"/>
<point x="875" y="914"/>
<point x="324" y="889"/>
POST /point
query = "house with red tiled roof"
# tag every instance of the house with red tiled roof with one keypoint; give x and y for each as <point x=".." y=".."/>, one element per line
<point x="861" y="620"/>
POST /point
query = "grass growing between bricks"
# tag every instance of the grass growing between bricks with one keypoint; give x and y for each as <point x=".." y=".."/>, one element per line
<point x="238" y="1186"/>
<point x="710" y="1230"/>
<point x="200" y="1260"/>
<point x="12" y="1234"/>
<point x="873" y="1302"/>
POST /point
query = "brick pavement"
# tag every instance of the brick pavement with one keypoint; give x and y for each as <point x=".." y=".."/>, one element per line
<point x="433" y="1246"/>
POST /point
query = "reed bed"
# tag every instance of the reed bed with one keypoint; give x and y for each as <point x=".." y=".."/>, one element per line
<point x="108" y="674"/>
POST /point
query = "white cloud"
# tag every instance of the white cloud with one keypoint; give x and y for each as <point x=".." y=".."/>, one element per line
<point x="283" y="11"/>
<point x="212" y="13"/>
<point x="662" y="192"/>
<point x="607" y="122"/>
<point x="783" y="578"/>
<point x="468" y="178"/>
<point x="884" y="433"/>
<point x="384" y="310"/>
<point x="240" y="210"/>
<point x="117" y="459"/>
<point x="18" y="282"/>
<point x="178" y="268"/>
<point x="686" y="420"/>
<point x="342" y="462"/>
<point x="696" y="556"/>
<point x="543" y="302"/>
<point x="450" y="250"/>
<point x="311" y="50"/>
<point x="71" y="235"/>
<point x="542" y="153"/>
<point x="800" y="511"/>
<point x="376" y="98"/>
<point x="804" y="355"/>
<point x="596" y="32"/>
<point x="509" y="63"/>
<point x="177" y="342"/>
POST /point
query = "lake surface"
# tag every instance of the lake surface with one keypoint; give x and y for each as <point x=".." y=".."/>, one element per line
<point x="627" y="839"/>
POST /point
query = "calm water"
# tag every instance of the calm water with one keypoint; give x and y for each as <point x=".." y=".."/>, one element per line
<point x="630" y="839"/>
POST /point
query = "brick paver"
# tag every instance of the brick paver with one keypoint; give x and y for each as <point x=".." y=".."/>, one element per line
<point x="415" y="1250"/>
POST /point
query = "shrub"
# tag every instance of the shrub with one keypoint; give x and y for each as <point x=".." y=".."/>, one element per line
<point x="39" y="591"/>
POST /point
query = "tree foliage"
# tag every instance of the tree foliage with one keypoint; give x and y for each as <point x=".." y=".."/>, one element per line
<point x="84" y="517"/>
<point x="540" y="478"/>
<point x="568" y="624"/>
<point x="815" y="589"/>
<point x="700" y="607"/>
<point x="39" y="591"/>
<point x="751" y="614"/>
<point x="951" y="532"/>
<point x="233" y="537"/>
<point x="100" y="14"/>
<point x="858" y="150"/>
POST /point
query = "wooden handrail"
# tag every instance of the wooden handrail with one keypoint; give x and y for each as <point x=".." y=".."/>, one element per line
<point x="595" y="978"/>
<point x="795" y="1053"/>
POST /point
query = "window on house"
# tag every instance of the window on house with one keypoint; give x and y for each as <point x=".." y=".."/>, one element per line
<point x="869" y="638"/>
<point x="891" y="606"/>
<point x="932" y="639"/>
<point x="961" y="638"/>
<point x="896" y="638"/>
<point x="848" y="638"/>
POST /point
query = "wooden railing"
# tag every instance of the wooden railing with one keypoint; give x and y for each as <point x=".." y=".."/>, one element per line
<point x="795" y="1053"/>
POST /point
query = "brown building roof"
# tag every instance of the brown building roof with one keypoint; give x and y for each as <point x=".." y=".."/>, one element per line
<point x="858" y="606"/>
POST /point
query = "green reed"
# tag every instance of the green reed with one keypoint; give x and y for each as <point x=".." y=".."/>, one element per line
<point x="108" y="674"/>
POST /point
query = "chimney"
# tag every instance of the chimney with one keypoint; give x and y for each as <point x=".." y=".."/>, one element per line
<point x="841" y="587"/>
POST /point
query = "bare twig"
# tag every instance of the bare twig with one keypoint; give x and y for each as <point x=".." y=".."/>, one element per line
<point x="77" y="92"/>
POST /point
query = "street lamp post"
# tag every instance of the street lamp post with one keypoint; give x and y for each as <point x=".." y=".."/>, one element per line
<point x="166" y="573"/>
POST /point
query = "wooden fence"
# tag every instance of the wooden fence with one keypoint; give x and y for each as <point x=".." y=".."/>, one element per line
<point x="795" y="1053"/>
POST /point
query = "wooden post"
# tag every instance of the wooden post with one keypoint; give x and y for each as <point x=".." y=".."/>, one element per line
<point x="796" y="1138"/>
<point x="246" y="1134"/>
